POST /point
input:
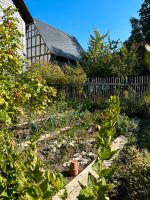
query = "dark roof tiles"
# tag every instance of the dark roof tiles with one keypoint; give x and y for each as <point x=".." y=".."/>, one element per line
<point x="58" y="42"/>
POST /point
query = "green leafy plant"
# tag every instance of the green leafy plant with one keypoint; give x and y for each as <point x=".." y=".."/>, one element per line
<point x="18" y="90"/>
<point x="125" y="125"/>
<point x="99" y="187"/>
<point x="56" y="75"/>
<point x="133" y="176"/>
<point x="108" y="58"/>
<point x="22" y="174"/>
<point x="132" y="107"/>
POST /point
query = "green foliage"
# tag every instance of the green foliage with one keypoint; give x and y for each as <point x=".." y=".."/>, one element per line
<point x="88" y="104"/>
<point x="22" y="175"/>
<point x="140" y="35"/>
<point x="125" y="125"/>
<point x="124" y="62"/>
<point x="52" y="73"/>
<point x="143" y="135"/>
<point x="144" y="14"/>
<point x="99" y="187"/>
<point x="17" y="90"/>
<point x="10" y="45"/>
<point x="96" y="61"/>
<point x="55" y="75"/>
<point x="147" y="60"/>
<point x="58" y="120"/>
<point x="134" y="106"/>
<point x="133" y="176"/>
<point x="108" y="58"/>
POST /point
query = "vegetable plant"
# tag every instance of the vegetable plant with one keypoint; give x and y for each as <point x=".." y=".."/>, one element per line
<point x="98" y="187"/>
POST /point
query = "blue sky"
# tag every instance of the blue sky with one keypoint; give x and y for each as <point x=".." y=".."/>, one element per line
<point x="79" y="17"/>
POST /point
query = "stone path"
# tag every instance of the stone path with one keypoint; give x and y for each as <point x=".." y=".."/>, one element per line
<point x="73" y="187"/>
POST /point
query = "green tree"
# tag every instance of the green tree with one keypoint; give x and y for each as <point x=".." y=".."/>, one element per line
<point x="124" y="62"/>
<point x="109" y="58"/>
<point x="144" y="14"/>
<point x="140" y="35"/>
<point x="96" y="60"/>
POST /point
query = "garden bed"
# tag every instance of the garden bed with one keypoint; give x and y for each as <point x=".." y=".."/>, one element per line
<point x="58" y="151"/>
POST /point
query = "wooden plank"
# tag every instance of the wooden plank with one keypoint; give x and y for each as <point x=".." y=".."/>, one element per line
<point x="73" y="187"/>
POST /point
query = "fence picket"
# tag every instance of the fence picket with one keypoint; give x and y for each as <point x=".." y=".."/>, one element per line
<point x="104" y="87"/>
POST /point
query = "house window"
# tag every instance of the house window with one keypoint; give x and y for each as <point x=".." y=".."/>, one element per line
<point x="29" y="53"/>
<point x="33" y="41"/>
<point x="29" y="34"/>
<point x="42" y="49"/>
<point x="38" y="50"/>
<point x="29" y="43"/>
<point x="38" y="40"/>
<point x="33" y="51"/>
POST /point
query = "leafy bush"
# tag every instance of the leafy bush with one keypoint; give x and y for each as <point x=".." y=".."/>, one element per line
<point x="55" y="75"/>
<point x="22" y="175"/>
<point x="108" y="58"/>
<point x="52" y="73"/>
<point x="134" y="106"/>
<point x="125" y="124"/>
<point x="88" y="104"/>
<point x="74" y="75"/>
<point x="133" y="176"/>
<point x="18" y="90"/>
<point x="99" y="187"/>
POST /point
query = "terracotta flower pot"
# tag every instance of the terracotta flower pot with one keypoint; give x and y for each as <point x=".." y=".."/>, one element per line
<point x="74" y="169"/>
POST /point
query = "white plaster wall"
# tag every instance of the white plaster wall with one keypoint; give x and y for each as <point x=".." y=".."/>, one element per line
<point x="7" y="3"/>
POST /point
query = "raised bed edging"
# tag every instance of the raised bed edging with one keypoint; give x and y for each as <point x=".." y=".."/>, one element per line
<point x="73" y="188"/>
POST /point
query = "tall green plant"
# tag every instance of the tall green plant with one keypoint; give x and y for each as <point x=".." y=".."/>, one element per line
<point x="96" y="60"/>
<point x="18" y="90"/>
<point x="22" y="174"/>
<point x="108" y="58"/>
<point x="99" y="187"/>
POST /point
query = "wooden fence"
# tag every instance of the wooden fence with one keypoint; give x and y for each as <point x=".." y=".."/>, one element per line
<point x="104" y="87"/>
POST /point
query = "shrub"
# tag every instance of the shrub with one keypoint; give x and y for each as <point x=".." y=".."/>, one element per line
<point x="52" y="73"/>
<point x="22" y="175"/>
<point x="99" y="187"/>
<point x="125" y="124"/>
<point x="89" y="104"/>
<point x="74" y="75"/>
<point x="133" y="176"/>
<point x="134" y="106"/>
<point x="55" y="75"/>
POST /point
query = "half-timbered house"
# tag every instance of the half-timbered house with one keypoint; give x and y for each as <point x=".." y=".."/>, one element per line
<point x="48" y="44"/>
<point x="42" y="42"/>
